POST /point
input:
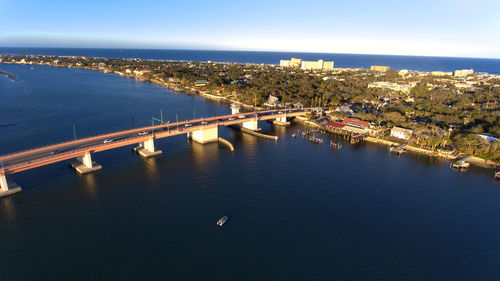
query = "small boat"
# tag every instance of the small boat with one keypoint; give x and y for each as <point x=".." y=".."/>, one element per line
<point x="398" y="149"/>
<point x="293" y="135"/>
<point x="222" y="221"/>
<point x="460" y="165"/>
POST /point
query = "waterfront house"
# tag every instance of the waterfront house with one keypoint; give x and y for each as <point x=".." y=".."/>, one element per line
<point x="272" y="101"/>
<point x="401" y="133"/>
<point x="201" y="83"/>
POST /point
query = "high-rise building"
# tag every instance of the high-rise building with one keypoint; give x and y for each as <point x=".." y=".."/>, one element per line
<point x="379" y="68"/>
<point x="308" y="65"/>
<point x="464" y="72"/>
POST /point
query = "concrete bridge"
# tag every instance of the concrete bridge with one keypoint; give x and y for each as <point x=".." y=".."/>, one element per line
<point x="202" y="130"/>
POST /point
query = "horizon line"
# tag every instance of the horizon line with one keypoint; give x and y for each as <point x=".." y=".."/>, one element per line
<point x="261" y="51"/>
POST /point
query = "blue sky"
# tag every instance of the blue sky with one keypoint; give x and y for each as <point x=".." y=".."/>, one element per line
<point x="462" y="28"/>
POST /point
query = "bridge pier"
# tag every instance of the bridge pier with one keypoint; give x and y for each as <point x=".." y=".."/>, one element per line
<point x="281" y="121"/>
<point x="84" y="164"/>
<point x="7" y="187"/>
<point x="147" y="149"/>
<point x="205" y="135"/>
<point x="251" y="125"/>
<point x="235" y="108"/>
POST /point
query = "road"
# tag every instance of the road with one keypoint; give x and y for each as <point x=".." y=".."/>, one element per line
<point x="30" y="159"/>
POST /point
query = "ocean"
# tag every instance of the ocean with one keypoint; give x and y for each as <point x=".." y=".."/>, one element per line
<point x="417" y="63"/>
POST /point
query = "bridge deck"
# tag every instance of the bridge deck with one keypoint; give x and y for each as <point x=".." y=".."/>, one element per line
<point x="25" y="160"/>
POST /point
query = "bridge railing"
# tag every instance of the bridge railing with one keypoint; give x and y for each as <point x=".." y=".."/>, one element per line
<point x="147" y="128"/>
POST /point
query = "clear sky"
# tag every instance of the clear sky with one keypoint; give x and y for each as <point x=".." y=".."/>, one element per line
<point x="465" y="28"/>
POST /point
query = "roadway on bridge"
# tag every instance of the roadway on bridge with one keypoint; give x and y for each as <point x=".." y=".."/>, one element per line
<point x="58" y="152"/>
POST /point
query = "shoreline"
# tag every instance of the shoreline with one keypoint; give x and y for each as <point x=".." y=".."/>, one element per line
<point x="9" y="75"/>
<point x="193" y="91"/>
<point x="488" y="164"/>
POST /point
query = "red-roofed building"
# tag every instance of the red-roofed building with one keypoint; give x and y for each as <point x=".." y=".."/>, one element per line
<point x="335" y="125"/>
<point x="355" y="122"/>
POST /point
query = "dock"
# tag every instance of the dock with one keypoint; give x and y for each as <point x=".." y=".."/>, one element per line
<point x="398" y="149"/>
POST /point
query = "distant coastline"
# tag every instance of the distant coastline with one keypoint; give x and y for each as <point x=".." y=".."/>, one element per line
<point x="342" y="60"/>
<point x="10" y="75"/>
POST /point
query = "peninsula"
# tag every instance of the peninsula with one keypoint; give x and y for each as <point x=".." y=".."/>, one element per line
<point x="9" y="75"/>
<point x="438" y="113"/>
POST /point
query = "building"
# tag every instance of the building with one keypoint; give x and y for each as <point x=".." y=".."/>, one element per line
<point x="464" y="72"/>
<point x="200" y="83"/>
<point x="298" y="105"/>
<point x="441" y="73"/>
<point x="272" y="101"/>
<point x="307" y="65"/>
<point x="392" y="86"/>
<point x="403" y="72"/>
<point x="317" y="65"/>
<point x="335" y="125"/>
<point x="401" y="133"/>
<point x="346" y="108"/>
<point x="284" y="63"/>
<point x="355" y="122"/>
<point x="379" y="68"/>
<point x="293" y="62"/>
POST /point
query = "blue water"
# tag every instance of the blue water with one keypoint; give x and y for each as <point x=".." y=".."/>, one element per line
<point x="297" y="211"/>
<point x="417" y="63"/>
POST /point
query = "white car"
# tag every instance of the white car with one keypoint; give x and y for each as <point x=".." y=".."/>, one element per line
<point x="143" y="133"/>
<point x="242" y="116"/>
<point x="231" y="119"/>
<point x="188" y="125"/>
<point x="204" y="122"/>
<point x="107" y="141"/>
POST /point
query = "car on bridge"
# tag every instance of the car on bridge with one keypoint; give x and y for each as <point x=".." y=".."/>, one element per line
<point x="107" y="141"/>
<point x="188" y="125"/>
<point x="204" y="122"/>
<point x="143" y="133"/>
<point x="242" y="116"/>
<point x="231" y="119"/>
<point x="57" y="151"/>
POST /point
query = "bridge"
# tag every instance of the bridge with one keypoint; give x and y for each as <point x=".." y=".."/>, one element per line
<point x="203" y="130"/>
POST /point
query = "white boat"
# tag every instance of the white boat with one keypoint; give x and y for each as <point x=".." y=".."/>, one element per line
<point x="222" y="221"/>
